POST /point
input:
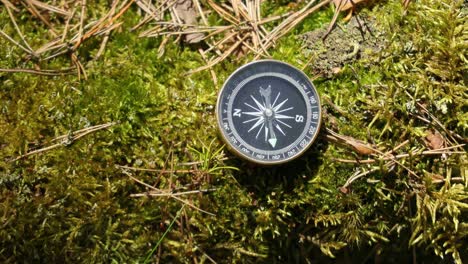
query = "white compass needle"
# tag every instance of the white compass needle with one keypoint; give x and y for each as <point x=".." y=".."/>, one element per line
<point x="258" y="103"/>
<point x="272" y="139"/>
<point x="266" y="94"/>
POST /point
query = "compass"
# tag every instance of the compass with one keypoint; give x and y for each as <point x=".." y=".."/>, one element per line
<point x="268" y="112"/>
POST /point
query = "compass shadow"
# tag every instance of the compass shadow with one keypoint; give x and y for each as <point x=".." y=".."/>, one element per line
<point x="282" y="183"/>
<point x="263" y="180"/>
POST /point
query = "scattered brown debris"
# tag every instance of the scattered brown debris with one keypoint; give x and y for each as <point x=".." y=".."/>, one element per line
<point x="434" y="140"/>
<point x="185" y="13"/>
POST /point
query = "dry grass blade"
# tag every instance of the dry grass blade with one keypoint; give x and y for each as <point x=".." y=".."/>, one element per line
<point x="245" y="32"/>
<point x="163" y="171"/>
<point x="48" y="7"/>
<point x="218" y="59"/>
<point x="169" y="195"/>
<point x="223" y="13"/>
<point x="14" y="42"/>
<point x="9" y="5"/>
<point x="32" y="9"/>
<point x="27" y="48"/>
<point x="66" y="140"/>
<point x="284" y="27"/>
<point x="212" y="72"/>
<point x="67" y="71"/>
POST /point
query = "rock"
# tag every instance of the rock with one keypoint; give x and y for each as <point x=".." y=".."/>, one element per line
<point x="358" y="39"/>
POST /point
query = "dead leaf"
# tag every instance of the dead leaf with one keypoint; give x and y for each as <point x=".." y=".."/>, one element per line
<point x="437" y="177"/>
<point x="343" y="190"/>
<point x="186" y="11"/>
<point x="434" y="140"/>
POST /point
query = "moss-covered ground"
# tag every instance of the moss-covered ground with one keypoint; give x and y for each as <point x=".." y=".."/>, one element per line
<point x="76" y="202"/>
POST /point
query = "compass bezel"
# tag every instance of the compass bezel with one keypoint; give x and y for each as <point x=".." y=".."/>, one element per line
<point x="238" y="152"/>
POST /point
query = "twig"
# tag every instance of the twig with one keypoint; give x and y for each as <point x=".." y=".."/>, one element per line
<point x="7" y="3"/>
<point x="219" y="59"/>
<point x="40" y="72"/>
<point x="400" y="156"/>
<point x="212" y="72"/>
<point x="50" y="8"/>
<point x="169" y="195"/>
<point x="163" y="194"/>
<point x="155" y="170"/>
<point x="33" y="10"/>
<point x="454" y="179"/>
<point x="68" y="139"/>
<point x="30" y="50"/>
<point x="106" y="35"/>
<point x="80" y="31"/>
<point x="14" y="42"/>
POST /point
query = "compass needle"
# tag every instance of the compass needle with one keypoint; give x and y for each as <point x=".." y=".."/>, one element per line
<point x="273" y="139"/>
<point x="258" y="103"/>
<point x="268" y="112"/>
<point x="266" y="93"/>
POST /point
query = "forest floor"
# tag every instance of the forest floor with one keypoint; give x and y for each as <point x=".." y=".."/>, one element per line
<point x="109" y="149"/>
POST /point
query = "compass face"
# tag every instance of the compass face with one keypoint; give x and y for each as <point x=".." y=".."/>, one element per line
<point x="268" y="112"/>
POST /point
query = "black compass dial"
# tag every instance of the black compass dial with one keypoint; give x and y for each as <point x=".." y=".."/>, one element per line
<point x="268" y="112"/>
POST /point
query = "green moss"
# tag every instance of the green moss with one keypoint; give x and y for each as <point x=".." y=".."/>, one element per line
<point x="73" y="204"/>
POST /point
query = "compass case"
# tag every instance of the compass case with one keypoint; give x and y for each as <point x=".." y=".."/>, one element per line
<point x="268" y="112"/>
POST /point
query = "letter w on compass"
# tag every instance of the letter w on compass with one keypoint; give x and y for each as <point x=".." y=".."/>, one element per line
<point x="267" y="115"/>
